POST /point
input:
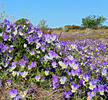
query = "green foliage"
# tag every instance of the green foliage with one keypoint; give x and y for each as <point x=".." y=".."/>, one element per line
<point x="93" y="21"/>
<point x="72" y="27"/>
<point x="22" y="21"/>
<point x="66" y="29"/>
<point x="59" y="28"/>
<point x="42" y="25"/>
<point x="103" y="27"/>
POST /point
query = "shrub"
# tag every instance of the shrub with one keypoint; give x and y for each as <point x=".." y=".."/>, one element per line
<point x="73" y="27"/>
<point x="59" y="28"/>
<point x="103" y="27"/>
<point x="42" y="25"/>
<point x="66" y="29"/>
<point x="23" y="21"/>
<point x="93" y="21"/>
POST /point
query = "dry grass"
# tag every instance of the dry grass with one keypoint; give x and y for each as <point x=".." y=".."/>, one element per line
<point x="38" y="94"/>
<point x="41" y="94"/>
<point x="83" y="34"/>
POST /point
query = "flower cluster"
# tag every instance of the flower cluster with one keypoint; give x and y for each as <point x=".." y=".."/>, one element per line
<point x="29" y="56"/>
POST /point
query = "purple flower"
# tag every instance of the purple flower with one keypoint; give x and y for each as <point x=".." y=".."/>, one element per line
<point x="101" y="89"/>
<point x="46" y="72"/>
<point x="32" y="52"/>
<point x="14" y="64"/>
<point x="36" y="28"/>
<point x="92" y="86"/>
<point x="34" y="89"/>
<point x="63" y="64"/>
<point x="54" y="78"/>
<point x="37" y="78"/>
<point x="52" y="54"/>
<point x="67" y="93"/>
<point x="55" y="85"/>
<point x="33" y="64"/>
<point x="30" y="39"/>
<point x="94" y="81"/>
<point x="5" y="48"/>
<point x="48" y="38"/>
<point x="91" y="94"/>
<point x="92" y="66"/>
<point x="38" y="45"/>
<point x="81" y="82"/>
<point x="8" y="82"/>
<point x="13" y="93"/>
<point x="104" y="71"/>
<point x="30" y="66"/>
<point x="22" y="63"/>
<point x="27" y="21"/>
<point x="86" y="77"/>
<point x="70" y="57"/>
<point x="53" y="37"/>
<point x="7" y="63"/>
<point x="40" y="34"/>
<point x="10" y="49"/>
<point x="5" y="37"/>
<point x="17" y="97"/>
<point x="54" y="64"/>
<point x="42" y="78"/>
<point x="43" y="48"/>
<point x="74" y="87"/>
<point x="24" y="74"/>
<point x="63" y="80"/>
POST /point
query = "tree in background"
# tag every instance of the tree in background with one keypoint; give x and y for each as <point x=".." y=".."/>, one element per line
<point x="42" y="25"/>
<point x="93" y="21"/>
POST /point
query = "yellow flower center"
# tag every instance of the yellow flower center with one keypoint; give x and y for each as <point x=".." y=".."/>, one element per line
<point x="88" y="98"/>
<point x="101" y="92"/>
<point x="22" y="66"/>
<point x="67" y="94"/>
<point x="91" y="87"/>
<point x="13" y="95"/>
<point x="24" y="95"/>
<point x="37" y="79"/>
<point x="92" y="92"/>
<point x="46" y="74"/>
<point x="65" y="66"/>
<point x="86" y="80"/>
<point x="62" y="82"/>
<point x="10" y="69"/>
<point x="73" y="90"/>
<point x="52" y="39"/>
<point x="13" y="74"/>
<point x="80" y="76"/>
<point x="71" y="65"/>
<point x="73" y="74"/>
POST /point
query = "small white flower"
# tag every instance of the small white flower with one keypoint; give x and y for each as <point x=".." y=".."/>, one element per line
<point x="25" y="45"/>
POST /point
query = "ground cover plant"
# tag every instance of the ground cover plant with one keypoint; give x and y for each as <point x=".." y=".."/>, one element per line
<point x="30" y="59"/>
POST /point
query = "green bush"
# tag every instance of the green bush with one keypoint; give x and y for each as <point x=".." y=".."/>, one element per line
<point x="42" y="25"/>
<point x="66" y="29"/>
<point x="103" y="27"/>
<point x="73" y="27"/>
<point x="23" y="21"/>
<point x="93" y="21"/>
<point x="58" y="29"/>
